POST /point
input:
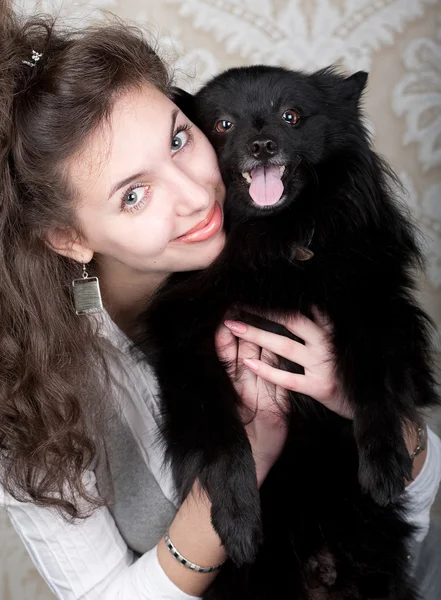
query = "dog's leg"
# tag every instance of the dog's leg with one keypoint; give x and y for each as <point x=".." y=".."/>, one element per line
<point x="204" y="437"/>
<point x="384" y="461"/>
<point x="206" y="440"/>
<point x="386" y="374"/>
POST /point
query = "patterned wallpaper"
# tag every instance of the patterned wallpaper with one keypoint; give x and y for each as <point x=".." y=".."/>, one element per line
<point x="397" y="41"/>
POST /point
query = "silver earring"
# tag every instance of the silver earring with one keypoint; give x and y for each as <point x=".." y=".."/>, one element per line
<point x="86" y="294"/>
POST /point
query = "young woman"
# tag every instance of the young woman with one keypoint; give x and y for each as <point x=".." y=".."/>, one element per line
<point x="98" y="167"/>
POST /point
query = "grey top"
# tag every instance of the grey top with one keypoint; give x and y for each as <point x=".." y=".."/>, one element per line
<point x="139" y="507"/>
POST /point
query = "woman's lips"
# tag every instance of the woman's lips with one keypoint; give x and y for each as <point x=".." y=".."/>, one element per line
<point x="205" y="229"/>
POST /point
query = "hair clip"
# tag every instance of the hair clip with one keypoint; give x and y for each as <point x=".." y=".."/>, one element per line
<point x="35" y="58"/>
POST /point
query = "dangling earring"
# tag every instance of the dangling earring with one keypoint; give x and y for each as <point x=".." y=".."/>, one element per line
<point x="87" y="295"/>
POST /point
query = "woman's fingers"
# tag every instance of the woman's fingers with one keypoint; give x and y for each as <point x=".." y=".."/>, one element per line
<point x="232" y="351"/>
<point x="226" y="344"/>
<point x="284" y="379"/>
<point x="256" y="393"/>
<point x="277" y="344"/>
<point x="309" y="331"/>
<point x="250" y="351"/>
<point x="275" y="398"/>
<point x="320" y="380"/>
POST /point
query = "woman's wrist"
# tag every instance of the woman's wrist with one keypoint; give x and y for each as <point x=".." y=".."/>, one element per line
<point x="194" y="537"/>
<point x="263" y="467"/>
<point x="267" y="436"/>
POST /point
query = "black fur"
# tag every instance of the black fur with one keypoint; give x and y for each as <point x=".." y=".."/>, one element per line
<point x="327" y="524"/>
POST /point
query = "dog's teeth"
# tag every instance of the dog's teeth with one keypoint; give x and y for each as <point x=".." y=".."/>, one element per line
<point x="282" y="170"/>
<point x="247" y="177"/>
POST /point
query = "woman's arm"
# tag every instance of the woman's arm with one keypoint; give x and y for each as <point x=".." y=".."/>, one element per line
<point x="194" y="537"/>
<point x="88" y="559"/>
<point x="192" y="532"/>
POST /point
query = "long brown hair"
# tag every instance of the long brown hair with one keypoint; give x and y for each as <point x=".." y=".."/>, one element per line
<point x="52" y="362"/>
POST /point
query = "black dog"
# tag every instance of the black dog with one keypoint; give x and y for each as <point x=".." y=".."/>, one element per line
<point x="317" y="226"/>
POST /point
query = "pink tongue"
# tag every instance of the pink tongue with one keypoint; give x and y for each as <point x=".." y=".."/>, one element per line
<point x="266" y="187"/>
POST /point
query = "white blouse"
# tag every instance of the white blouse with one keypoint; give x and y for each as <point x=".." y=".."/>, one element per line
<point x="89" y="560"/>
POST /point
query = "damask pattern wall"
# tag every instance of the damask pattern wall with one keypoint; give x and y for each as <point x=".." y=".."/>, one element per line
<point x="397" y="41"/>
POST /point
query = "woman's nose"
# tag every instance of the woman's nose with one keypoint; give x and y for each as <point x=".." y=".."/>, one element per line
<point x="189" y="195"/>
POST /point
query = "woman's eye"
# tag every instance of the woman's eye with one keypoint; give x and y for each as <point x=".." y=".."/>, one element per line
<point x="179" y="140"/>
<point x="135" y="197"/>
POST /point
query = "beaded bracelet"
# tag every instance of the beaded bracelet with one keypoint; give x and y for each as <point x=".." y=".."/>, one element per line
<point x="187" y="563"/>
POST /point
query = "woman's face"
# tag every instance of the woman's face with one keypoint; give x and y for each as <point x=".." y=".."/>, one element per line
<point x="143" y="183"/>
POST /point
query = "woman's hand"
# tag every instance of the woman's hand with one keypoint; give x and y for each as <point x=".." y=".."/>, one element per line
<point x="264" y="404"/>
<point x="262" y="386"/>
<point x="315" y="356"/>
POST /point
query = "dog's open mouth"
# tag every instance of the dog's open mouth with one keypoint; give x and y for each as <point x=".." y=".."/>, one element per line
<point x="266" y="187"/>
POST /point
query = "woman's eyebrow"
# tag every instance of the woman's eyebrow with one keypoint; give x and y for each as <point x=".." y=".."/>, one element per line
<point x="120" y="184"/>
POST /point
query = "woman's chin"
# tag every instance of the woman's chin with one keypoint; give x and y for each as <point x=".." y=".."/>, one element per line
<point x="206" y="252"/>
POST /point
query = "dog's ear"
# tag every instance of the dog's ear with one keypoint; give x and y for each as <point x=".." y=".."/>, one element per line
<point x="184" y="100"/>
<point x="354" y="85"/>
<point x="339" y="88"/>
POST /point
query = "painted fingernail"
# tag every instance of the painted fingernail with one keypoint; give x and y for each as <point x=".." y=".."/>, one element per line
<point x="252" y="364"/>
<point x="236" y="326"/>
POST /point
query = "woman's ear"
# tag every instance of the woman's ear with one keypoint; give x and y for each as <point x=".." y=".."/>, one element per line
<point x="68" y="243"/>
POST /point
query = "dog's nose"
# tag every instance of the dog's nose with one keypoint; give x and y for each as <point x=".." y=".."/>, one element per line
<point x="261" y="147"/>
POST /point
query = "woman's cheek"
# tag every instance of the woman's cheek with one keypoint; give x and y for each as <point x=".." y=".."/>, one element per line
<point x="154" y="247"/>
<point x="207" y="156"/>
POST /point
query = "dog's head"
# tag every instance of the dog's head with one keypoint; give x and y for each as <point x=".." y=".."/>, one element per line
<point x="272" y="127"/>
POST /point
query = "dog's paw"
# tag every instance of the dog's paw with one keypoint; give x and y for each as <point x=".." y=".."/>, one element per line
<point x="240" y="528"/>
<point x="235" y="509"/>
<point x="383" y="472"/>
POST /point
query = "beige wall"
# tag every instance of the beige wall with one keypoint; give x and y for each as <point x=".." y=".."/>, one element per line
<point x="397" y="41"/>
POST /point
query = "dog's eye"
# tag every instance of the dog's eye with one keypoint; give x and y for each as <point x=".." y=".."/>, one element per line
<point x="291" y="116"/>
<point x="223" y="126"/>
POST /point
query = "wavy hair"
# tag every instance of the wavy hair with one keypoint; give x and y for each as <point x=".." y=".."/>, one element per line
<point x="52" y="396"/>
